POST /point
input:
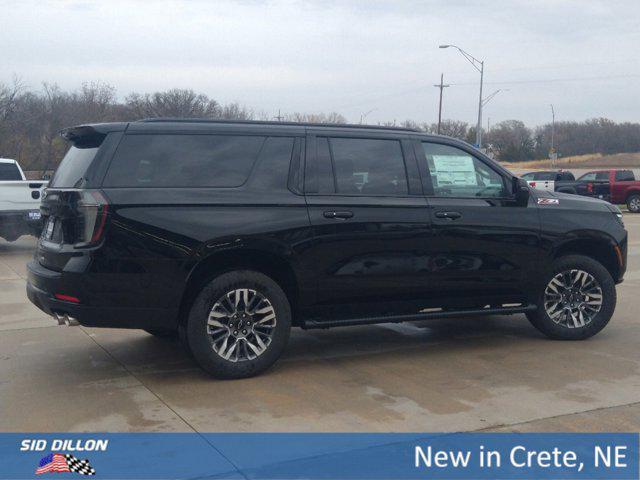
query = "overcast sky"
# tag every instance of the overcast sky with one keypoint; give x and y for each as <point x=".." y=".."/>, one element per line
<point x="346" y="56"/>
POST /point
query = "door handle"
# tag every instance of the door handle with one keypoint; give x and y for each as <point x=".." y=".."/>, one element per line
<point x="449" y="215"/>
<point x="342" y="215"/>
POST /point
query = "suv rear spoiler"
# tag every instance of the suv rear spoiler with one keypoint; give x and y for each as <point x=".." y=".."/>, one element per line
<point x="88" y="136"/>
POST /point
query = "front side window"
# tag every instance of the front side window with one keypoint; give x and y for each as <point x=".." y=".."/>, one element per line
<point x="368" y="166"/>
<point x="183" y="160"/>
<point x="588" y="177"/>
<point x="456" y="173"/>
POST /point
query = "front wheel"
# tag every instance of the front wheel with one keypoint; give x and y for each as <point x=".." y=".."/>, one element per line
<point x="576" y="301"/>
<point x="239" y="324"/>
<point x="633" y="203"/>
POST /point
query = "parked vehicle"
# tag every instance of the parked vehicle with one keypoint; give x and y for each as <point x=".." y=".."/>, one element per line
<point x="622" y="185"/>
<point x="230" y="233"/>
<point x="565" y="182"/>
<point x="546" y="180"/>
<point x="19" y="202"/>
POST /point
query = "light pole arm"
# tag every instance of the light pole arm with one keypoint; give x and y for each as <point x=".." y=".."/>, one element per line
<point x="488" y="98"/>
<point x="477" y="64"/>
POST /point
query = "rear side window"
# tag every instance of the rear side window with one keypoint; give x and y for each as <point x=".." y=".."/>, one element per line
<point x="368" y="166"/>
<point x="183" y="161"/>
<point x="73" y="168"/>
<point x="9" y="171"/>
<point x="567" y="176"/>
<point x="625" y="176"/>
<point x="545" y="176"/>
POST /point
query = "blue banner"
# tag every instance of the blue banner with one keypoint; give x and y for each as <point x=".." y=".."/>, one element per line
<point x="319" y="456"/>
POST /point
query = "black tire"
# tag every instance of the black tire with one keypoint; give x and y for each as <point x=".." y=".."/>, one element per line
<point x="633" y="203"/>
<point x="201" y="343"/>
<point x="543" y="322"/>
<point x="163" y="333"/>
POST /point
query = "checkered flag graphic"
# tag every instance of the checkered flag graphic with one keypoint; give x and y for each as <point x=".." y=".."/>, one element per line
<point x="83" y="467"/>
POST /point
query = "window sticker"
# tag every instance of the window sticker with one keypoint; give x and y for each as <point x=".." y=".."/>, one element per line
<point x="454" y="170"/>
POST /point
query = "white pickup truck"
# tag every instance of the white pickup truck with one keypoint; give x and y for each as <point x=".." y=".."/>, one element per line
<point x="19" y="202"/>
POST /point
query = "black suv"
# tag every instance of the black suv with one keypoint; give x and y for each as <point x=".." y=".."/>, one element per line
<point x="229" y="233"/>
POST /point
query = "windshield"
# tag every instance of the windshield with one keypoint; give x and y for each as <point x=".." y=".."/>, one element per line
<point x="9" y="171"/>
<point x="72" y="169"/>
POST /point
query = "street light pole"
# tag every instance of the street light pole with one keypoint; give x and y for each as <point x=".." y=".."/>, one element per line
<point x="479" y="127"/>
<point x="479" y="66"/>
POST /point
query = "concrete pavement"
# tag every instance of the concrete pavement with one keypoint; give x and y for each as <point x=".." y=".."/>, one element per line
<point x="493" y="373"/>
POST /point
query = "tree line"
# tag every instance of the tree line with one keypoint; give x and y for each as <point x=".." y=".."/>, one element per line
<point x="31" y="119"/>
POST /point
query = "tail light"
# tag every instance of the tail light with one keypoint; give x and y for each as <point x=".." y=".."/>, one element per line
<point x="92" y="209"/>
<point x="590" y="187"/>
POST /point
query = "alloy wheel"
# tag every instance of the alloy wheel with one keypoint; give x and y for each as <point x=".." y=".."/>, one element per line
<point x="573" y="298"/>
<point x="241" y="325"/>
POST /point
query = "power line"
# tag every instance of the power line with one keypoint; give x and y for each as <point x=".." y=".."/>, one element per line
<point x="554" y="80"/>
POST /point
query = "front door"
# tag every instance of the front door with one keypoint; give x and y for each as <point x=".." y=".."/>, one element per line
<point x="485" y="248"/>
<point x="371" y="226"/>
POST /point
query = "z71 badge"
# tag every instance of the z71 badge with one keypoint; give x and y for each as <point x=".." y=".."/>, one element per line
<point x="548" y="201"/>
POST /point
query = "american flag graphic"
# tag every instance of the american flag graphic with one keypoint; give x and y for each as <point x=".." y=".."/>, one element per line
<point x="60" y="463"/>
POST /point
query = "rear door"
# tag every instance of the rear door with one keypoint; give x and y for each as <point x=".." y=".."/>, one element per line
<point x="485" y="248"/>
<point x="371" y="225"/>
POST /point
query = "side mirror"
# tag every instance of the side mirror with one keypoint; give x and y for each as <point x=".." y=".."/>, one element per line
<point x="520" y="191"/>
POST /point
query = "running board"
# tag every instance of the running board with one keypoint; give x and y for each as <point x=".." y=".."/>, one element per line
<point x="418" y="316"/>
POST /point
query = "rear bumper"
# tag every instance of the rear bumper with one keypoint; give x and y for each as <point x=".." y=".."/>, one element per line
<point x="43" y="283"/>
<point x="17" y="222"/>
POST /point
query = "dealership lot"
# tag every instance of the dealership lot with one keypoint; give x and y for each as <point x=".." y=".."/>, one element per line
<point x="494" y="373"/>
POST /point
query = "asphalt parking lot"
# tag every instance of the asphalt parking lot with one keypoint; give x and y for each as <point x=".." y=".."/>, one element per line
<point x="493" y="373"/>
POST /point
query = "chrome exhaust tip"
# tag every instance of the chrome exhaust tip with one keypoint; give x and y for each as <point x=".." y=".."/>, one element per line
<point x="66" y="320"/>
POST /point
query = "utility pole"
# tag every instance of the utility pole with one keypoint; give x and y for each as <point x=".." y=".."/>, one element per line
<point x="279" y="117"/>
<point x="441" y="86"/>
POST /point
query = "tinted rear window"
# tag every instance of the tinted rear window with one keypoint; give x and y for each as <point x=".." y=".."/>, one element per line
<point x="368" y="166"/>
<point x="545" y="176"/>
<point x="625" y="176"/>
<point x="9" y="171"/>
<point x="183" y="161"/>
<point x="74" y="166"/>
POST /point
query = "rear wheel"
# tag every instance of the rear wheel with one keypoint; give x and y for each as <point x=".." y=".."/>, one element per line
<point x="633" y="203"/>
<point x="576" y="301"/>
<point x="239" y="324"/>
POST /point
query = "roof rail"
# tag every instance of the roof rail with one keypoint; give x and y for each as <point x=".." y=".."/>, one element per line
<point x="260" y="122"/>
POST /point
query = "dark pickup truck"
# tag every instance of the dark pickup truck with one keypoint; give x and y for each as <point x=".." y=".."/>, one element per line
<point x="592" y="184"/>
<point x="616" y="186"/>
